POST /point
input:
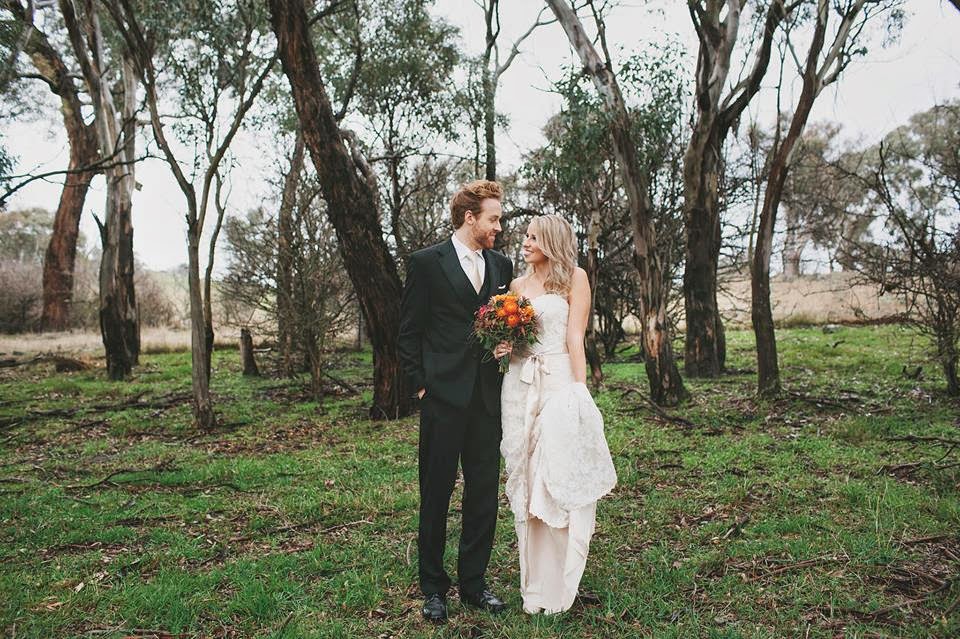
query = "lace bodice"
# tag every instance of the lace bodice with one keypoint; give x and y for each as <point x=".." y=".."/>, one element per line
<point x="552" y="310"/>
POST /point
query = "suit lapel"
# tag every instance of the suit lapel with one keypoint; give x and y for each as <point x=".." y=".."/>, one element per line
<point x="454" y="273"/>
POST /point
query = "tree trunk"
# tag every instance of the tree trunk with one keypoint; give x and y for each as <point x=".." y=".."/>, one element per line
<point x="200" y="378"/>
<point x="792" y="245"/>
<point x="491" y="14"/>
<point x="489" y="123"/>
<point x="396" y="204"/>
<point x="946" y="342"/>
<point x="704" y="346"/>
<point x="950" y="372"/>
<point x="285" y="246"/>
<point x="246" y="354"/>
<point x="60" y="258"/>
<point x="208" y="272"/>
<point x="61" y="255"/>
<point x="666" y="385"/>
<point x="768" y="369"/>
<point x="119" y="318"/>
<point x="313" y="358"/>
<point x="593" y="269"/>
<point x="352" y="208"/>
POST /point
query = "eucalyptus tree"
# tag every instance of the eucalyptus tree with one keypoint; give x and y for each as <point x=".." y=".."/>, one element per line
<point x="493" y="66"/>
<point x="820" y="67"/>
<point x="666" y="385"/>
<point x="351" y="198"/>
<point x="107" y="67"/>
<point x="718" y="106"/>
<point x="211" y="60"/>
<point x="574" y="174"/>
<point x="56" y="68"/>
<point x="392" y="70"/>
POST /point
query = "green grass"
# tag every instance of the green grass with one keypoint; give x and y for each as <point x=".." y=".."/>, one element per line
<point x="746" y="518"/>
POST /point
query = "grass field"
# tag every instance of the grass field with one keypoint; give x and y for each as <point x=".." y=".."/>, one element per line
<point x="801" y="517"/>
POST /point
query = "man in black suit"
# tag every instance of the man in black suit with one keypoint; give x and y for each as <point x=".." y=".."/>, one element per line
<point x="459" y="393"/>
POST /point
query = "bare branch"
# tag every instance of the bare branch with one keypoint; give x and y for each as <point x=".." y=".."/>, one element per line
<point x="515" y="49"/>
<point x="740" y="96"/>
<point x="106" y="163"/>
<point x="329" y="10"/>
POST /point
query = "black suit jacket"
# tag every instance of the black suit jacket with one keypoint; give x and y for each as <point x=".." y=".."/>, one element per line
<point x="436" y="319"/>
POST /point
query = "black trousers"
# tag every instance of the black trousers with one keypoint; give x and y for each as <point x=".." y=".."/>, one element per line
<point x="449" y="435"/>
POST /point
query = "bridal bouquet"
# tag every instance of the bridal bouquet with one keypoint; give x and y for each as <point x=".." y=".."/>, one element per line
<point x="505" y="318"/>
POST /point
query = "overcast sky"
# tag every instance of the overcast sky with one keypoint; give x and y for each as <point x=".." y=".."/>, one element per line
<point x="875" y="95"/>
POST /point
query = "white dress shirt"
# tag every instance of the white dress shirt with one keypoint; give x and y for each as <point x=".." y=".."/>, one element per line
<point x="463" y="254"/>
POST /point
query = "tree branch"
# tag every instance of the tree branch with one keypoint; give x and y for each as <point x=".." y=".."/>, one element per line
<point x="97" y="166"/>
<point x="740" y="96"/>
<point x="515" y="49"/>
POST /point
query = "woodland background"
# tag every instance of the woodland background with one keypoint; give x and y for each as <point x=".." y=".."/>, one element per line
<point x="774" y="339"/>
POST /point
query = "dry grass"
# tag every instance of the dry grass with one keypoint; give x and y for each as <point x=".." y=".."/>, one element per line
<point x="78" y="343"/>
<point x="833" y="298"/>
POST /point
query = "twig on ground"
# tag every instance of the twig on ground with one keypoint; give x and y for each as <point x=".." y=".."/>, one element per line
<point x="916" y="439"/>
<point x="909" y="602"/>
<point x="816" y="561"/>
<point x="650" y="404"/>
<point x="162" y="466"/>
<point x="344" y="384"/>
<point x="929" y="539"/>
<point x="292" y="527"/>
<point x="825" y="401"/>
<point x="285" y="622"/>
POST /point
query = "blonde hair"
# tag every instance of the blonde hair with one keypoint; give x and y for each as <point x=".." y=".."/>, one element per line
<point x="470" y="197"/>
<point x="556" y="239"/>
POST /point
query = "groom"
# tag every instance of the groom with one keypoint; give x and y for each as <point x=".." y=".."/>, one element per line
<point x="459" y="393"/>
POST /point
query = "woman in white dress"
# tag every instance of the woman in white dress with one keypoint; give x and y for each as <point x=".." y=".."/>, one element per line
<point x="557" y="460"/>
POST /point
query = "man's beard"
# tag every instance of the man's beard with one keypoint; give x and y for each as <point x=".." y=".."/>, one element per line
<point x="484" y="240"/>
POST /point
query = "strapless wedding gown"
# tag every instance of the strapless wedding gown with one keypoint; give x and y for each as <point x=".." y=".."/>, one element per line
<point x="557" y="460"/>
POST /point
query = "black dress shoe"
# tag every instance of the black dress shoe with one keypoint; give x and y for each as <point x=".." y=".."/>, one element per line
<point x="484" y="600"/>
<point x="435" y="608"/>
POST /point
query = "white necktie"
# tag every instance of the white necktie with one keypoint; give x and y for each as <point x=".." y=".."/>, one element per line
<point x="474" y="270"/>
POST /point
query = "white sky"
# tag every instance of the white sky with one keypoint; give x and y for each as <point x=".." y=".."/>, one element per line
<point x="877" y="94"/>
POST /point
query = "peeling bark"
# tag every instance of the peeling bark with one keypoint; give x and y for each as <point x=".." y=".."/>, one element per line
<point x="115" y="133"/>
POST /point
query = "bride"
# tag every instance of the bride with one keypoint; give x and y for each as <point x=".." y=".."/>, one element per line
<point x="557" y="460"/>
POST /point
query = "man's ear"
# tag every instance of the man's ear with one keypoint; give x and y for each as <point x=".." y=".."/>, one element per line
<point x="468" y="215"/>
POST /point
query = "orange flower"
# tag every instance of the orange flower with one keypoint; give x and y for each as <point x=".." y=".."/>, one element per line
<point x="511" y="307"/>
<point x="501" y="312"/>
<point x="513" y="320"/>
